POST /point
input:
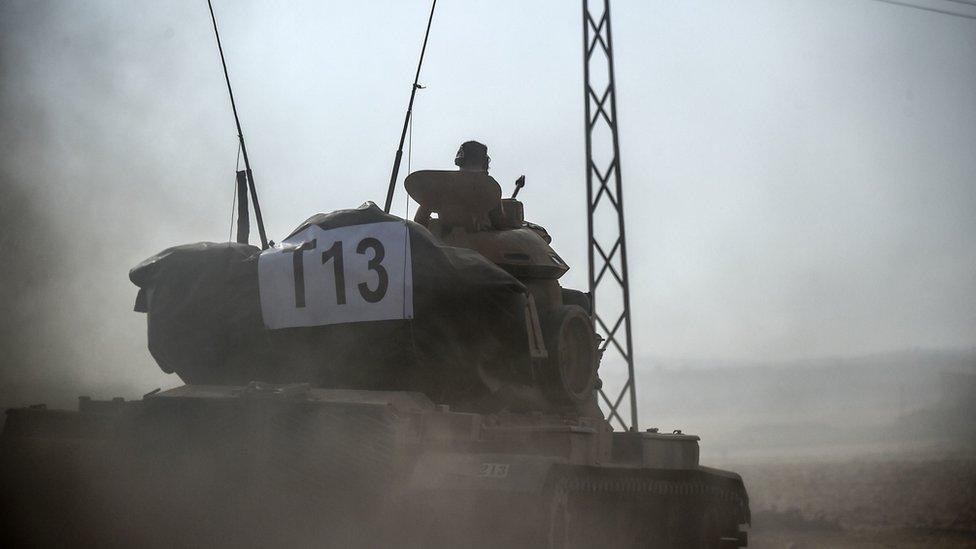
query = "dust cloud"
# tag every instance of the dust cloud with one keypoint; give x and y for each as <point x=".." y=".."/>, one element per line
<point x="799" y="182"/>
<point x="795" y="191"/>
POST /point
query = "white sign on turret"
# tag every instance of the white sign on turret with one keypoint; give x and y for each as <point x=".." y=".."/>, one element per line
<point x="317" y="277"/>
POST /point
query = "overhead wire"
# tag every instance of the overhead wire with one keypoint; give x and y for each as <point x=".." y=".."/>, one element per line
<point x="931" y="9"/>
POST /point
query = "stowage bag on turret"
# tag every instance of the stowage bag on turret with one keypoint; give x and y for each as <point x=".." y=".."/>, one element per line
<point x="354" y="298"/>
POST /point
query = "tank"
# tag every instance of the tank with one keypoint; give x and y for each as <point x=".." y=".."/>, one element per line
<point x="369" y="381"/>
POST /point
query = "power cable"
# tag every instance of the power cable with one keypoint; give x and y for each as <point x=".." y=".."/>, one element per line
<point x="934" y="10"/>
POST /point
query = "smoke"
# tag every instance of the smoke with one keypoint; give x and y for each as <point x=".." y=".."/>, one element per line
<point x="798" y="178"/>
<point x="83" y="196"/>
<point x="30" y="245"/>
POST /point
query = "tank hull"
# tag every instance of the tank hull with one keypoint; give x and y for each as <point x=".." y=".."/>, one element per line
<point x="291" y="465"/>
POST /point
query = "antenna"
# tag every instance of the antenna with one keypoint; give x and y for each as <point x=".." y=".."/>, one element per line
<point x="240" y="138"/>
<point x="406" y="120"/>
<point x="519" y="183"/>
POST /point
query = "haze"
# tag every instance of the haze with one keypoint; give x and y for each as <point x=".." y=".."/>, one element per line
<point x="799" y="175"/>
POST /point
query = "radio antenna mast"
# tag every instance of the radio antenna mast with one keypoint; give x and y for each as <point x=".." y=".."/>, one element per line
<point x="406" y="120"/>
<point x="240" y="137"/>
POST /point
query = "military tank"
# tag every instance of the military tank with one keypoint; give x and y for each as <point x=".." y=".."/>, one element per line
<point x="368" y="381"/>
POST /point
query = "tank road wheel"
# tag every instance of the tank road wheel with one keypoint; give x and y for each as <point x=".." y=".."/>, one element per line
<point x="557" y="535"/>
<point x="710" y="529"/>
<point x="701" y="527"/>
<point x="572" y="346"/>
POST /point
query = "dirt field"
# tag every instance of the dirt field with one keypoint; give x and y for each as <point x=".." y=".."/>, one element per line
<point x="863" y="503"/>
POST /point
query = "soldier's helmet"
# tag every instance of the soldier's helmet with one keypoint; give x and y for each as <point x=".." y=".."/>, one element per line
<point x="472" y="156"/>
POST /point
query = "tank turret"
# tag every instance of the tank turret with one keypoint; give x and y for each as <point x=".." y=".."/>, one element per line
<point x="464" y="304"/>
<point x="465" y="208"/>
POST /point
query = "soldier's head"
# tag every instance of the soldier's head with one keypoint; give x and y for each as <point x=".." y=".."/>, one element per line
<point x="472" y="156"/>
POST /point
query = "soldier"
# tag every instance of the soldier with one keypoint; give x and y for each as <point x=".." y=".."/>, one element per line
<point x="472" y="157"/>
<point x="461" y="198"/>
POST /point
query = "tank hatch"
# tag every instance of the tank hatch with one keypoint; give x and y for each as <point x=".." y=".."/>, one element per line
<point x="472" y="214"/>
<point x="459" y="198"/>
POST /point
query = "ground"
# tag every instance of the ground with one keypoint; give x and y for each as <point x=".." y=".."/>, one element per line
<point x="862" y="503"/>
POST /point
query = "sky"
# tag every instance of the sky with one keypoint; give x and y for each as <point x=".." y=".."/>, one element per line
<point x="799" y="175"/>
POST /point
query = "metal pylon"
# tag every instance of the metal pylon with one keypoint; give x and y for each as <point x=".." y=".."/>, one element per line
<point x="609" y="285"/>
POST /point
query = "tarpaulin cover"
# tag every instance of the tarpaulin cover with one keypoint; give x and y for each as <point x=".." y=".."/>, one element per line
<point x="461" y="338"/>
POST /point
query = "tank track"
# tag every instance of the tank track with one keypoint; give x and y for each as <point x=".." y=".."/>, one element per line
<point x="658" y="487"/>
<point x="590" y="507"/>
